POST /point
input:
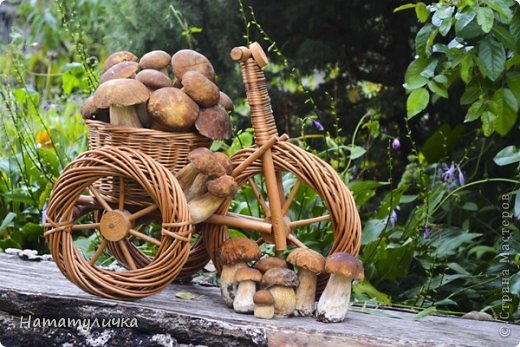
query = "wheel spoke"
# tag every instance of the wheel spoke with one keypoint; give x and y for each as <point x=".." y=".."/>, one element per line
<point x="98" y="253"/>
<point x="259" y="197"/>
<point x="298" y="223"/>
<point x="241" y="222"/>
<point x="295" y="240"/>
<point x="142" y="212"/>
<point x="129" y="260"/>
<point x="121" y="193"/>
<point x="290" y="198"/>
<point x="279" y="183"/>
<point x="145" y="237"/>
<point x="99" y="198"/>
<point x="85" y="226"/>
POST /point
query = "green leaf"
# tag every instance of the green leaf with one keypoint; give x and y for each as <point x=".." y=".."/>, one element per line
<point x="372" y="230"/>
<point x="464" y="19"/>
<point x="506" y="156"/>
<point x="493" y="56"/>
<point x="417" y="101"/>
<point x="472" y="92"/>
<point x="485" y="18"/>
<point x="505" y="37"/>
<point x="366" y="288"/>
<point x="426" y="312"/>
<point x="421" y="39"/>
<point x="438" y="89"/>
<point x="441" y="79"/>
<point x="445" y="26"/>
<point x="466" y="67"/>
<point x="184" y="295"/>
<point x="422" y="12"/>
<point x="480" y="250"/>
<point x="7" y="222"/>
<point x="475" y="111"/>
<point x="412" y="77"/>
<point x="505" y="107"/>
<point x="488" y="122"/>
<point x="404" y="7"/>
<point x="513" y="82"/>
<point x="517" y="205"/>
<point x="355" y="151"/>
<point x="501" y="8"/>
<point x="514" y="26"/>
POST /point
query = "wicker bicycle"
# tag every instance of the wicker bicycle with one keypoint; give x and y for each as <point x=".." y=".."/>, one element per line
<point x="119" y="190"/>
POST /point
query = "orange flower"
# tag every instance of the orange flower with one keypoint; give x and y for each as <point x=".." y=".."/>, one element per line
<point x="44" y="139"/>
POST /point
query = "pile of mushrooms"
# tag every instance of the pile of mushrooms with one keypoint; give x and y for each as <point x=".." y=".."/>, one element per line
<point x="268" y="288"/>
<point x="140" y="93"/>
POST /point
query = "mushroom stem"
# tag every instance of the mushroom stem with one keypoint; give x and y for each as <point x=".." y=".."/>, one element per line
<point x="264" y="311"/>
<point x="284" y="301"/>
<point x="243" y="301"/>
<point x="203" y="207"/>
<point x="228" y="285"/>
<point x="305" y="293"/>
<point x="334" y="301"/>
<point x="124" y="116"/>
<point x="186" y="176"/>
<point x="198" y="187"/>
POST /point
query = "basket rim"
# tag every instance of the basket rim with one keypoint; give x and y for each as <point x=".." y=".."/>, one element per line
<point x="93" y="124"/>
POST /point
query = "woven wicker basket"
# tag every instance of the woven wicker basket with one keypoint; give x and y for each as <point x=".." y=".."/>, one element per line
<point x="169" y="149"/>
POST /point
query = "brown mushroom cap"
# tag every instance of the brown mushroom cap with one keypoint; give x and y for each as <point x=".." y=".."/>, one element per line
<point x="157" y="60"/>
<point x="120" y="92"/>
<point x="205" y="161"/>
<point x="263" y="297"/>
<point x="153" y="79"/>
<point x="248" y="274"/>
<point x="200" y="88"/>
<point x="118" y="57"/>
<point x="224" y="161"/>
<point x="345" y="264"/>
<point x="308" y="259"/>
<point x="225" y="101"/>
<point x="173" y="108"/>
<point x="238" y="250"/>
<point x="267" y="263"/>
<point x="214" y="122"/>
<point x="190" y="60"/>
<point x="124" y="69"/>
<point x="279" y="277"/>
<point x="222" y="187"/>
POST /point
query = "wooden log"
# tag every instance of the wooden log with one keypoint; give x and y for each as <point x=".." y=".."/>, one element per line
<point x="37" y="290"/>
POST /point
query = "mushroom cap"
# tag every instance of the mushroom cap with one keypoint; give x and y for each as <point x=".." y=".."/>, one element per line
<point x="120" y="92"/>
<point x="156" y="60"/>
<point x="225" y="101"/>
<point x="267" y="263"/>
<point x="224" y="161"/>
<point x="263" y="297"/>
<point x="345" y="264"/>
<point x="173" y="108"/>
<point x="153" y="79"/>
<point x="118" y="57"/>
<point x="279" y="277"/>
<point x="214" y="122"/>
<point x="88" y="109"/>
<point x="308" y="259"/>
<point x="204" y="161"/>
<point x="124" y="69"/>
<point x="248" y="274"/>
<point x="200" y="88"/>
<point x="190" y="60"/>
<point x="238" y="250"/>
<point x="222" y="187"/>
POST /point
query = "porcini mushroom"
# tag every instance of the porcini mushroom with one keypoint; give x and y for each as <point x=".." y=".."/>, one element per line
<point x="157" y="60"/>
<point x="214" y="122"/>
<point x="224" y="161"/>
<point x="118" y="57"/>
<point x="190" y="60"/>
<point x="264" y="304"/>
<point x="201" y="160"/>
<point x="202" y="207"/>
<point x="198" y="187"/>
<point x="281" y="283"/>
<point x="124" y="69"/>
<point x="247" y="278"/>
<point x="172" y="108"/>
<point x="120" y="95"/>
<point x="334" y="301"/>
<point x="225" y="101"/>
<point x="267" y="263"/>
<point x="233" y="255"/>
<point x="153" y="79"/>
<point x="309" y="264"/>
<point x="200" y="88"/>
<point x="89" y="111"/>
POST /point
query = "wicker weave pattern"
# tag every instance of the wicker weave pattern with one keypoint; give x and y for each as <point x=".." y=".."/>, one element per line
<point x="169" y="149"/>
<point x="162" y="188"/>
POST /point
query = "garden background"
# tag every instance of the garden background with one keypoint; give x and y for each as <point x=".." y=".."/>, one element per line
<point x="414" y="104"/>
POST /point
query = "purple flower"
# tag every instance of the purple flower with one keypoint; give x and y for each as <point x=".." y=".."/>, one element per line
<point x="462" y="180"/>
<point x="47" y="107"/>
<point x="448" y="174"/>
<point x="393" y="218"/>
<point x="426" y="232"/>
<point x="396" y="144"/>
<point x="317" y="125"/>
